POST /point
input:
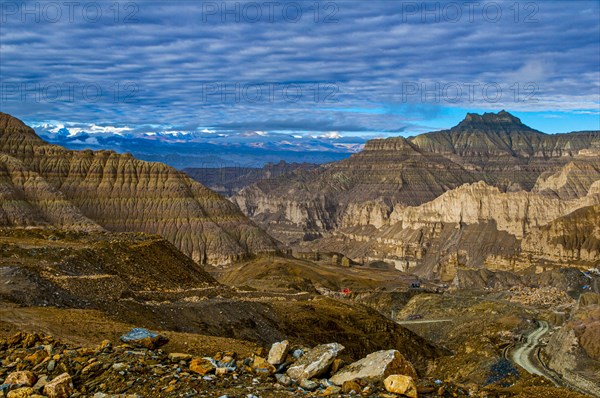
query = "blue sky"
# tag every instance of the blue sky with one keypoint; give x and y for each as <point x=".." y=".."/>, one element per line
<point x="375" y="68"/>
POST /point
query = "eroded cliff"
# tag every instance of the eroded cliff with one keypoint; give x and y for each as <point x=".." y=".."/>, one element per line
<point x="43" y="183"/>
<point x="482" y="194"/>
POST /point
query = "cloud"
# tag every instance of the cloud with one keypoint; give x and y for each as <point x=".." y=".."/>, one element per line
<point x="180" y="66"/>
<point x="533" y="70"/>
<point x="332" y="135"/>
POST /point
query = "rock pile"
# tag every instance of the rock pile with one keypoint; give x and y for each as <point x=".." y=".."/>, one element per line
<point x="547" y="296"/>
<point x="36" y="366"/>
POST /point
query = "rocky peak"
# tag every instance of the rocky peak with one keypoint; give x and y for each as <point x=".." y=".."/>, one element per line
<point x="495" y="137"/>
<point x="10" y="122"/>
<point x="490" y="121"/>
<point x="13" y="129"/>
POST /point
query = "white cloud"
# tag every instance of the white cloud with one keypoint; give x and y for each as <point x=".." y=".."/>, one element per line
<point x="331" y="135"/>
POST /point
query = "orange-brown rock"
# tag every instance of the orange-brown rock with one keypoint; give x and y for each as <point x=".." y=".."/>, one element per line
<point x="202" y="366"/>
<point x="401" y="384"/>
<point x="60" y="387"/>
<point x="25" y="378"/>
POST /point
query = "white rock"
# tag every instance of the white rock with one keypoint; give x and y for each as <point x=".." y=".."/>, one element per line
<point x="375" y="367"/>
<point x="315" y="362"/>
<point x="278" y="352"/>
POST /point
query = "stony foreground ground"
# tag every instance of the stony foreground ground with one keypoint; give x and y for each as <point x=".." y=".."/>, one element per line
<point x="34" y="365"/>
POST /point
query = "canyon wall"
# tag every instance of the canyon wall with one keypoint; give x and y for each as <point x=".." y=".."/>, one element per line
<point x="482" y="194"/>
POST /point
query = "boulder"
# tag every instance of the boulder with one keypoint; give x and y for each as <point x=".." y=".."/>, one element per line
<point x="23" y="377"/>
<point x="178" y="357"/>
<point x="23" y="392"/>
<point x="202" y="366"/>
<point x="140" y="337"/>
<point x="401" y="384"/>
<point x="315" y="362"/>
<point x="60" y="387"/>
<point x="278" y="352"/>
<point x="375" y="367"/>
<point x="262" y="366"/>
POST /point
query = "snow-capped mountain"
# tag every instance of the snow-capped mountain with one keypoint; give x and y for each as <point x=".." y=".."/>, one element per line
<point x="205" y="147"/>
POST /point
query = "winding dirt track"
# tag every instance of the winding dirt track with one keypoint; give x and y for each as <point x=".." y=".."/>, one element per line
<point x="527" y="355"/>
<point x="524" y="353"/>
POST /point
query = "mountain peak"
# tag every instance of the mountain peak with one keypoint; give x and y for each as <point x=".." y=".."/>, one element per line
<point x="14" y="133"/>
<point x="490" y="120"/>
<point x="10" y="122"/>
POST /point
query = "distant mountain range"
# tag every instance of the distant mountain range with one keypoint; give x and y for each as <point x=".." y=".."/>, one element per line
<point x="206" y="148"/>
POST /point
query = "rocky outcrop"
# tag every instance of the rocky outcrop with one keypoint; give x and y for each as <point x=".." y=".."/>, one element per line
<point x="300" y="207"/>
<point x="574" y="180"/>
<point x="27" y="199"/>
<point x="47" y="184"/>
<point x="516" y="212"/>
<point x="498" y="137"/>
<point x="575" y="236"/>
<point x="490" y="192"/>
<point x="476" y="225"/>
<point x="574" y="352"/>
